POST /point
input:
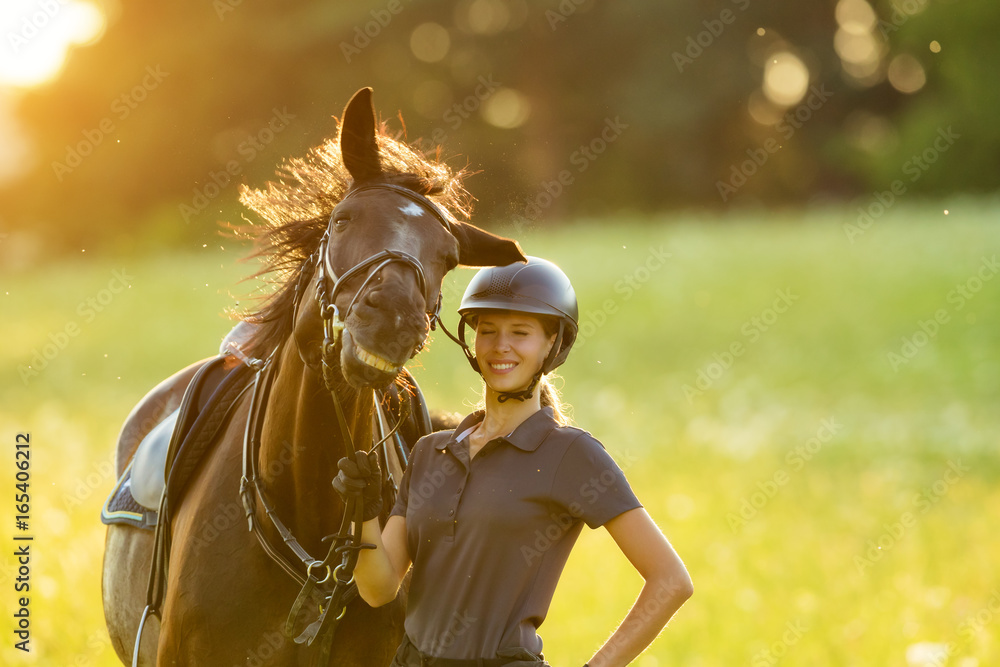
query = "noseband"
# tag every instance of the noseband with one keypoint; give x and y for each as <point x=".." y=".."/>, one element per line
<point x="336" y="581"/>
<point x="333" y="323"/>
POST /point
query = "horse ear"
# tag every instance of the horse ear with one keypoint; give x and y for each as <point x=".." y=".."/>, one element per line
<point x="357" y="137"/>
<point x="479" y="248"/>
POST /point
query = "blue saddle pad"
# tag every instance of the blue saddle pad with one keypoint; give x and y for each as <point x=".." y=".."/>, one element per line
<point x="121" y="507"/>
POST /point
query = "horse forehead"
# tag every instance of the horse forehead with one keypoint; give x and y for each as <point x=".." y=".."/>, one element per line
<point x="405" y="233"/>
<point x="412" y="209"/>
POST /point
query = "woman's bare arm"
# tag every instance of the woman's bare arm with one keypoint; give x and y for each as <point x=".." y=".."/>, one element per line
<point x="667" y="586"/>
<point x="380" y="571"/>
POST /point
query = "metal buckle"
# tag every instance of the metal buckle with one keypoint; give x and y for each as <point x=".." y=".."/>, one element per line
<point x="337" y="578"/>
<point x="309" y="569"/>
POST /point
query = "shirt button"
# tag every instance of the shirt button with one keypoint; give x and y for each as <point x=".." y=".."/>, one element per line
<point x="451" y="512"/>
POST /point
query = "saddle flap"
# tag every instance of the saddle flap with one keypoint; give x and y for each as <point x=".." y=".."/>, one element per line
<point x="149" y="463"/>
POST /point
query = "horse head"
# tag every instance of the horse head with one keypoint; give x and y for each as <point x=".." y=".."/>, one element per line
<point x="380" y="268"/>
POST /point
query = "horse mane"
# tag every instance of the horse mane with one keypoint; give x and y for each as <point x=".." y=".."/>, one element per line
<point x="296" y="210"/>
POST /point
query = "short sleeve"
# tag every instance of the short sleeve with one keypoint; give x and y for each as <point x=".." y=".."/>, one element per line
<point x="403" y="494"/>
<point x="589" y="484"/>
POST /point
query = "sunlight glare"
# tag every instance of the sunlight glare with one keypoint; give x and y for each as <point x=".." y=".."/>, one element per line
<point x="39" y="35"/>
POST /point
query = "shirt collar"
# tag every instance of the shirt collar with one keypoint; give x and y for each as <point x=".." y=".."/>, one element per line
<point x="526" y="437"/>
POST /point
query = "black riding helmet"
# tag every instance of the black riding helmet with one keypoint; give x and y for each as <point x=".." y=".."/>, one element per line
<point x="538" y="287"/>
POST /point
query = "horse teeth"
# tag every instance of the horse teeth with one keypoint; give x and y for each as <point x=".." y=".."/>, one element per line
<point x="373" y="360"/>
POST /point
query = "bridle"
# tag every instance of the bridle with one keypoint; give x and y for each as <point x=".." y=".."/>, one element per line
<point x="330" y="588"/>
<point x="332" y="584"/>
<point x="333" y="324"/>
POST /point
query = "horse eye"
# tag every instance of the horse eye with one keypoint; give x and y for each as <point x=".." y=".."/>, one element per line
<point x="340" y="222"/>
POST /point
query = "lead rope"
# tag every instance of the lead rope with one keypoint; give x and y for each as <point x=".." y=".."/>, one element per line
<point x="345" y="543"/>
<point x="250" y="490"/>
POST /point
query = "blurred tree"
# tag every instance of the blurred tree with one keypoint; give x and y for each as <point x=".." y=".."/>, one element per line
<point x="566" y="107"/>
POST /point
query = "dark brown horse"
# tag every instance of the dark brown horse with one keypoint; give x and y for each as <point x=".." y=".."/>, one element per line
<point x="226" y="600"/>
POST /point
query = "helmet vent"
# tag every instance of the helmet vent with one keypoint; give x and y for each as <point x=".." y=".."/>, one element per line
<point x="499" y="286"/>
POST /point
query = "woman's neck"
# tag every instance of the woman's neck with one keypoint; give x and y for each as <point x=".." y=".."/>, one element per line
<point x="503" y="418"/>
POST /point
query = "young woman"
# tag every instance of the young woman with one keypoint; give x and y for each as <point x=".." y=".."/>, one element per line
<point x="488" y="513"/>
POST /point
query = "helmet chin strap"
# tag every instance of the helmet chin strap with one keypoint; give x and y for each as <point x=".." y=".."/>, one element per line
<point x="523" y="395"/>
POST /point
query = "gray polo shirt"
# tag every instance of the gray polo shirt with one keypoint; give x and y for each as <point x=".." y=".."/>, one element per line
<point x="489" y="540"/>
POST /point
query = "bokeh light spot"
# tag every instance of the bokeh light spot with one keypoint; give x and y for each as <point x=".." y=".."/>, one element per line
<point x="762" y="110"/>
<point x="858" y="49"/>
<point x="430" y="42"/>
<point x="856" y="16"/>
<point x="786" y="78"/>
<point x="906" y="74"/>
<point x="506" y="108"/>
<point x="487" y="17"/>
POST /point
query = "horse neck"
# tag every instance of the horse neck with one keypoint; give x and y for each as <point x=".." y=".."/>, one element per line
<point x="301" y="442"/>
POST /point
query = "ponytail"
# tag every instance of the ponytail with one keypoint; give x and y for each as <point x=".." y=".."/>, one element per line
<point x="551" y="399"/>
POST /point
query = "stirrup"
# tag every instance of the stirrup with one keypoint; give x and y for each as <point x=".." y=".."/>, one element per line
<point x="146" y="613"/>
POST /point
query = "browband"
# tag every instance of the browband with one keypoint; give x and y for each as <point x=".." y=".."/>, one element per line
<point x="412" y="195"/>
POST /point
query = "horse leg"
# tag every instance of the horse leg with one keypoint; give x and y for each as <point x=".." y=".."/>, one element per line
<point x="127" y="550"/>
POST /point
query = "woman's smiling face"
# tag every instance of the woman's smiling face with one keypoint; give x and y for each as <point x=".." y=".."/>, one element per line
<point x="510" y="348"/>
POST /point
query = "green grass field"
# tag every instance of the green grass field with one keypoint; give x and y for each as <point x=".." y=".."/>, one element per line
<point x="811" y="421"/>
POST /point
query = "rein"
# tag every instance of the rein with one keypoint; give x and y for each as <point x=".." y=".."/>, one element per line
<point x="335" y="587"/>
